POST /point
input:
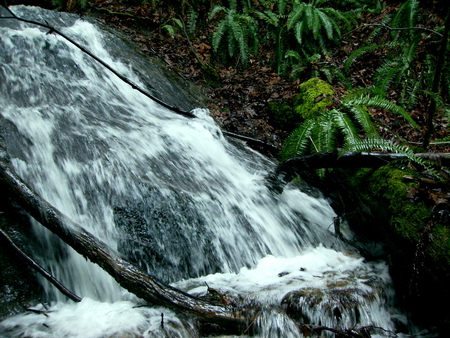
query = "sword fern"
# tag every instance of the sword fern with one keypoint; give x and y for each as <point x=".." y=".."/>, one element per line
<point x="348" y="124"/>
<point x="236" y="33"/>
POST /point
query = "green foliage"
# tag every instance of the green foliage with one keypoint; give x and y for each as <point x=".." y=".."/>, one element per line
<point x="406" y="17"/>
<point x="367" y="98"/>
<point x="349" y="126"/>
<point x="298" y="142"/>
<point x="171" y="28"/>
<point x="236" y="33"/>
<point x="322" y="24"/>
<point x="191" y="22"/>
<point x="386" y="145"/>
<point x="313" y="66"/>
<point x="402" y="68"/>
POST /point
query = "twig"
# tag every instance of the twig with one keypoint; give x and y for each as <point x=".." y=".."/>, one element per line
<point x="41" y="312"/>
<point x="84" y="50"/>
<point x="253" y="322"/>
<point x="38" y="268"/>
<point x="403" y="28"/>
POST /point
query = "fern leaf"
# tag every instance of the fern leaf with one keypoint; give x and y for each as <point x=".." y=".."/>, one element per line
<point x="295" y="16"/>
<point x="218" y="35"/>
<point x="281" y="6"/>
<point x="326" y="129"/>
<point x="315" y="23"/>
<point x="239" y="36"/>
<point x="386" y="145"/>
<point x="191" y="20"/>
<point x="327" y="24"/>
<point x="308" y="17"/>
<point x="382" y="103"/>
<point x="346" y="125"/>
<point x="357" y="53"/>
<point x="364" y="119"/>
<point x="299" y="28"/>
<point x="269" y="17"/>
<point x="407" y="14"/>
<point x="297" y="143"/>
<point x="216" y="10"/>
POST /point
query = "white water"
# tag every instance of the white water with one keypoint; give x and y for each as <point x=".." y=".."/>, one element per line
<point x="149" y="182"/>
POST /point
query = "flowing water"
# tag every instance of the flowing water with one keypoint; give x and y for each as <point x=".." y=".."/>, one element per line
<point x="170" y="193"/>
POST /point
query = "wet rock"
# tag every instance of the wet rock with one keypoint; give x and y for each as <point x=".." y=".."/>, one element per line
<point x="19" y="287"/>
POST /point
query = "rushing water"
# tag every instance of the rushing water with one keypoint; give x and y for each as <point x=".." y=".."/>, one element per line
<point x="170" y="193"/>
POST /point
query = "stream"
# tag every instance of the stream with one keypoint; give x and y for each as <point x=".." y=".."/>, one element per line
<point x="171" y="194"/>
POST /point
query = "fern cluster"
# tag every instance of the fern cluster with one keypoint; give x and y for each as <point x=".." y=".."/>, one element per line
<point x="308" y="26"/>
<point x="341" y="127"/>
<point x="237" y="33"/>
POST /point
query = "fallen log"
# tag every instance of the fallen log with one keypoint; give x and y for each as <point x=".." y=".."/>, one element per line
<point x="295" y="166"/>
<point x="127" y="275"/>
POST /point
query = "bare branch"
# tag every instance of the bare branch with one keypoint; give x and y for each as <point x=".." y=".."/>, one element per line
<point x="403" y="28"/>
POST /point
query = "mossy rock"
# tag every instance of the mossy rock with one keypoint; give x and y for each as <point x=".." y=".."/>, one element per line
<point x="407" y="217"/>
<point x="314" y="97"/>
<point x="417" y="243"/>
<point x="283" y="116"/>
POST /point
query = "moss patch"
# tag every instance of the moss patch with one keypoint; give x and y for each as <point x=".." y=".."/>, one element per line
<point x="407" y="216"/>
<point x="314" y="97"/>
<point x="283" y="116"/>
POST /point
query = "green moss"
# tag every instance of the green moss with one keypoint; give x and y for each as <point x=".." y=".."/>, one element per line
<point x="314" y="97"/>
<point x="407" y="217"/>
<point x="440" y="244"/>
<point x="283" y="116"/>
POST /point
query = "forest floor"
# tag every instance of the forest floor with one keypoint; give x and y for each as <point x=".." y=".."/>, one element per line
<point x="239" y="100"/>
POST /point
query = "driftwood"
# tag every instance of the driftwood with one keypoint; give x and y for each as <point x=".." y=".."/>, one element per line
<point x="127" y="275"/>
<point x="295" y="166"/>
<point x="31" y="263"/>
<point x="232" y="319"/>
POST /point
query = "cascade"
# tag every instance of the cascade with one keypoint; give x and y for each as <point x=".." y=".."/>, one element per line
<point x="170" y="193"/>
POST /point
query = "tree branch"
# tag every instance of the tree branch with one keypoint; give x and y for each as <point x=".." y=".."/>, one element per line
<point x="294" y="166"/>
<point x="128" y="276"/>
<point x="5" y="238"/>
<point x="403" y="28"/>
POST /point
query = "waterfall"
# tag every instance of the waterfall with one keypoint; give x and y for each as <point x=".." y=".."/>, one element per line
<point x="170" y="193"/>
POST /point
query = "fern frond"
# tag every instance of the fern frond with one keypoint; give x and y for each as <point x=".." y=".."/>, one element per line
<point x="386" y="73"/>
<point x="346" y="125"/>
<point x="295" y="16"/>
<point x="357" y="53"/>
<point x="406" y="15"/>
<point x="268" y="17"/>
<point x="325" y="133"/>
<point x="309" y="16"/>
<point x="444" y="140"/>
<point x="387" y="145"/>
<point x="300" y="27"/>
<point x="363" y="117"/>
<point x="382" y="103"/>
<point x="281" y="6"/>
<point x="328" y="24"/>
<point x="315" y="23"/>
<point x="218" y="35"/>
<point x="216" y="10"/>
<point x="297" y="142"/>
